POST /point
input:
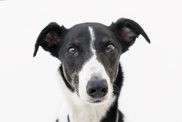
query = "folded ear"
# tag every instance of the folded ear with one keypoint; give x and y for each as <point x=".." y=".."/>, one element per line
<point x="50" y="38"/>
<point x="127" y="31"/>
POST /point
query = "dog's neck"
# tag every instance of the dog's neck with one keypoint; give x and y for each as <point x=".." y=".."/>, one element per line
<point x="79" y="111"/>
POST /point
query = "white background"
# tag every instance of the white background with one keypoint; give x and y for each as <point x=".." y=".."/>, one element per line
<point x="152" y="90"/>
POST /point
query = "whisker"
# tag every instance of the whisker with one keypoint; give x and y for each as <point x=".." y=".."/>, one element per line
<point x="116" y="89"/>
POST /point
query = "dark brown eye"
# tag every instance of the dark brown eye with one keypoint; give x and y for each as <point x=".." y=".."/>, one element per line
<point x="73" y="51"/>
<point x="110" y="48"/>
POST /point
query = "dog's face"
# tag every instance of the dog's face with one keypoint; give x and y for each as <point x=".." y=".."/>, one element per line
<point x="90" y="54"/>
<point x="90" y="58"/>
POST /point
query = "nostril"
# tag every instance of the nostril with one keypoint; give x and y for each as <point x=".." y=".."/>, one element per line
<point x="104" y="90"/>
<point x="92" y="91"/>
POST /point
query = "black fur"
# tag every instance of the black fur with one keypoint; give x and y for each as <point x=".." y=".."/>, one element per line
<point x="65" y="81"/>
<point x="113" y="111"/>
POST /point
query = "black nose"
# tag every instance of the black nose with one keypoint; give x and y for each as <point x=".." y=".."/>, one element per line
<point x="97" y="88"/>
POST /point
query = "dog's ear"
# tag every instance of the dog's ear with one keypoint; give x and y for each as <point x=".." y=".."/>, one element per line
<point x="50" y="38"/>
<point x="127" y="31"/>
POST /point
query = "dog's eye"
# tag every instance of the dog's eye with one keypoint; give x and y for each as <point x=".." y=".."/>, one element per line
<point x="110" y="48"/>
<point x="73" y="51"/>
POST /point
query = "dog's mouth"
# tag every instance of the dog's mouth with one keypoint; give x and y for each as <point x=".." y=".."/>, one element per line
<point x="98" y="100"/>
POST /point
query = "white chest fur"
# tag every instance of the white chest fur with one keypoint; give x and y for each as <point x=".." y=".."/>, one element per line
<point x="83" y="112"/>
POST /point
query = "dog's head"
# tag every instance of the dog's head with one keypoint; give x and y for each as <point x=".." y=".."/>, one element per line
<point x="90" y="54"/>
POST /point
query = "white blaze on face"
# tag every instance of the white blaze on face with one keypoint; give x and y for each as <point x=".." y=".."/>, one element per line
<point x="92" y="67"/>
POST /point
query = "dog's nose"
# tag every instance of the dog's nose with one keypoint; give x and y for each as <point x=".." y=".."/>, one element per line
<point x="97" y="88"/>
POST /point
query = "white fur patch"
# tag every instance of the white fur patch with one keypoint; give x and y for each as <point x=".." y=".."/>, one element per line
<point x="92" y="38"/>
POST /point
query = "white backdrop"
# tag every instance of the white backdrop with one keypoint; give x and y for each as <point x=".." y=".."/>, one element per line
<point x="152" y="90"/>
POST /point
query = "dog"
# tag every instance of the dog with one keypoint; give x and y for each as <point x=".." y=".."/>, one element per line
<point x="90" y="70"/>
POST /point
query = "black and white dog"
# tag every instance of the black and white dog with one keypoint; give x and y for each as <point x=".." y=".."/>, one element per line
<point x="90" y="70"/>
